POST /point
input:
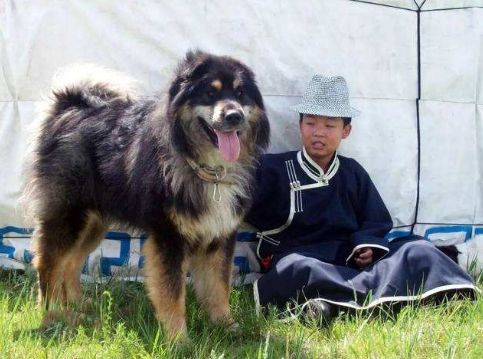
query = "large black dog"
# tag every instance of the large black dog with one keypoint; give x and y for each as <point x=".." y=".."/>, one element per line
<point x="178" y="168"/>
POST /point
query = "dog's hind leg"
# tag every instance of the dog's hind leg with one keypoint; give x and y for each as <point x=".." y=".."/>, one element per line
<point x="54" y="240"/>
<point x="88" y="240"/>
<point x="165" y="272"/>
<point x="212" y="269"/>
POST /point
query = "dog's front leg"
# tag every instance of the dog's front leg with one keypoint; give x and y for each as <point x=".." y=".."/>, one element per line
<point x="165" y="272"/>
<point x="212" y="268"/>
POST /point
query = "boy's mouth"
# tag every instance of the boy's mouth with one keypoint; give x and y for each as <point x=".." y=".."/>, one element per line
<point x="318" y="145"/>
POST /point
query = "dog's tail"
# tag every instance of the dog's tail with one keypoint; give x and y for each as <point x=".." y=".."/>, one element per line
<point x="88" y="86"/>
<point x="76" y="87"/>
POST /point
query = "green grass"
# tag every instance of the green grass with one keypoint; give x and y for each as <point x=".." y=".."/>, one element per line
<point x="122" y="325"/>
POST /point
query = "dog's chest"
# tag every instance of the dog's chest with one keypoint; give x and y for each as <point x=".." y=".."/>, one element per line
<point x="218" y="219"/>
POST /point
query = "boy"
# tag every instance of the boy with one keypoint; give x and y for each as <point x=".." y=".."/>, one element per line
<point x="322" y="223"/>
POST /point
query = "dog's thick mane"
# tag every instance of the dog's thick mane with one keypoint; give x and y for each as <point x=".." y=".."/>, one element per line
<point x="191" y="195"/>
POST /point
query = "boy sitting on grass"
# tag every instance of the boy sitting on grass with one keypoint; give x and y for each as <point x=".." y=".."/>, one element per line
<point x="322" y="223"/>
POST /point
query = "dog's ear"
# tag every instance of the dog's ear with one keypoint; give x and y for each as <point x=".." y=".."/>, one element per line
<point x="191" y="68"/>
<point x="194" y="55"/>
<point x="196" y="64"/>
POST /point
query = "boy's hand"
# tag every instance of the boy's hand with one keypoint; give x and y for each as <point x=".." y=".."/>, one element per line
<point x="363" y="257"/>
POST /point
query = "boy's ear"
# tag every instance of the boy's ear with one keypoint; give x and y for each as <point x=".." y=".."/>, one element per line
<point x="346" y="130"/>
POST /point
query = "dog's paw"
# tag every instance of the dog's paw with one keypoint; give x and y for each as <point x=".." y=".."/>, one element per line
<point x="68" y="317"/>
<point x="51" y="318"/>
<point x="229" y="323"/>
<point x="86" y="304"/>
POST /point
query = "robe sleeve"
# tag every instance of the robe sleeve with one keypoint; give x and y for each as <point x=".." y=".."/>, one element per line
<point x="372" y="216"/>
<point x="264" y="213"/>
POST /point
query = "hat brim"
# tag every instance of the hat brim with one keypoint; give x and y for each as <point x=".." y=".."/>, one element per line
<point x="321" y="111"/>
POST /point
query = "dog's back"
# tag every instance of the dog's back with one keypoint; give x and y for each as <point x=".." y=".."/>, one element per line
<point x="82" y="159"/>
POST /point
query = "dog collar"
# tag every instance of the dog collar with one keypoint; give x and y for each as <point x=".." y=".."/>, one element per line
<point x="210" y="174"/>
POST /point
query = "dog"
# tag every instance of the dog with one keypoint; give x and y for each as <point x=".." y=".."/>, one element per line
<point x="178" y="167"/>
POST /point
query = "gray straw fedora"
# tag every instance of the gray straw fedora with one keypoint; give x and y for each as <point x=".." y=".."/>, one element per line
<point x="326" y="96"/>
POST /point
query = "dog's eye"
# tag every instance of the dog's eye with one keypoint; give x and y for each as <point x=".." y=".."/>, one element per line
<point x="239" y="93"/>
<point x="210" y="93"/>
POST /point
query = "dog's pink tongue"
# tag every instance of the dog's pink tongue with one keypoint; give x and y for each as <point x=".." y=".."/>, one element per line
<point x="229" y="145"/>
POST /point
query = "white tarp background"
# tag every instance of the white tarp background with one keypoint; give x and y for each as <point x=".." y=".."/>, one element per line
<point x="429" y="165"/>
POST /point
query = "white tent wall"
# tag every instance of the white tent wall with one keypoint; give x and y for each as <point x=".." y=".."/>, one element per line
<point x="374" y="44"/>
<point x="451" y="68"/>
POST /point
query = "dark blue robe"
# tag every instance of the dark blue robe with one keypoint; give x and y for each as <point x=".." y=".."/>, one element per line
<point x="311" y="223"/>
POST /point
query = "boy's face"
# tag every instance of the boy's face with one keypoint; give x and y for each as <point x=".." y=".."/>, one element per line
<point x="321" y="136"/>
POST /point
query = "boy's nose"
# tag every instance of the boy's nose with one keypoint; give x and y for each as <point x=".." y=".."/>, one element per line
<point x="319" y="132"/>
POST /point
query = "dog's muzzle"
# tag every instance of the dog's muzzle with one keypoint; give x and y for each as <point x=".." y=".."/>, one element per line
<point x="228" y="121"/>
<point x="228" y="115"/>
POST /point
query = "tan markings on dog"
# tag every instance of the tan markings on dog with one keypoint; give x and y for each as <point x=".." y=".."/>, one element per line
<point x="54" y="290"/>
<point x="59" y="274"/>
<point x="170" y="309"/>
<point x="50" y="275"/>
<point x="209" y="271"/>
<point x="195" y="136"/>
<point x="252" y="113"/>
<point x="217" y="85"/>
<point x="191" y="126"/>
<point x="88" y="240"/>
<point x="189" y="113"/>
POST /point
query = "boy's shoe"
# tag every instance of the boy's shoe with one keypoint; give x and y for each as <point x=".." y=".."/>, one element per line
<point x="317" y="310"/>
<point x="313" y="310"/>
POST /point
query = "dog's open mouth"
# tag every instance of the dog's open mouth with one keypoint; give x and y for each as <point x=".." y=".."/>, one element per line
<point x="227" y="142"/>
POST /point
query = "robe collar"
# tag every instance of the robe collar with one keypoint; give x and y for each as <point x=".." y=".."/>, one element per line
<point x="313" y="170"/>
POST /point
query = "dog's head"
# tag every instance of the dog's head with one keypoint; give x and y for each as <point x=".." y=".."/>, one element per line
<point x="215" y="109"/>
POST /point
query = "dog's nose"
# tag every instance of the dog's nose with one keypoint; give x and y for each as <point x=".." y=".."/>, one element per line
<point x="233" y="118"/>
